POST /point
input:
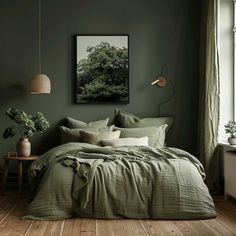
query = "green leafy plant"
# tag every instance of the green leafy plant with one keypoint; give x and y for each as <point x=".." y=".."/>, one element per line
<point x="26" y="125"/>
<point x="230" y="128"/>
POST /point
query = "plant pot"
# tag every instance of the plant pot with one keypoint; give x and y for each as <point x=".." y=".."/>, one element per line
<point x="232" y="140"/>
<point x="23" y="147"/>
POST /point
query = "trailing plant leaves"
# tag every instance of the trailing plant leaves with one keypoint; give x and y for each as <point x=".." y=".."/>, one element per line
<point x="11" y="113"/>
<point x="40" y="122"/>
<point x="27" y="124"/>
<point x="9" y="132"/>
<point x="21" y="117"/>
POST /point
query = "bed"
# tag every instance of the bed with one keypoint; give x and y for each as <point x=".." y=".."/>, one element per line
<point x="79" y="179"/>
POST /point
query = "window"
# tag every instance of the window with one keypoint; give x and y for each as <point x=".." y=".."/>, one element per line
<point x="226" y="24"/>
<point x="234" y="39"/>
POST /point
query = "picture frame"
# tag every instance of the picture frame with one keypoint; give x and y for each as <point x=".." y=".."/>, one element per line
<point x="102" y="69"/>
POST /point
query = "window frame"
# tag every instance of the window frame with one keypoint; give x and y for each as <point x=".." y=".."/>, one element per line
<point x="234" y="59"/>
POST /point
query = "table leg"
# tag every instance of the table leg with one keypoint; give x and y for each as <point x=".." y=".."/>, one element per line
<point x="4" y="175"/>
<point x="20" y="176"/>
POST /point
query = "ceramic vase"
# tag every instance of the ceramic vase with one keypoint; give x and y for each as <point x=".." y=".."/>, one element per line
<point x="232" y="140"/>
<point x="23" y="147"/>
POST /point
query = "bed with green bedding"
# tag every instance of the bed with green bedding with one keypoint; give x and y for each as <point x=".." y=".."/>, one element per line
<point x="84" y="180"/>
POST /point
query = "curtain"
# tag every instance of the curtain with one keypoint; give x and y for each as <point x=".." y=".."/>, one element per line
<point x="209" y="95"/>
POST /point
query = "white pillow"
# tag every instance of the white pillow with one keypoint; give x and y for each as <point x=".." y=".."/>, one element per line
<point x="126" y="142"/>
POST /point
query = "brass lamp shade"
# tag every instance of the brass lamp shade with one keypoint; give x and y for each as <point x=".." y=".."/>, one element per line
<point x="40" y="84"/>
<point x="160" y="81"/>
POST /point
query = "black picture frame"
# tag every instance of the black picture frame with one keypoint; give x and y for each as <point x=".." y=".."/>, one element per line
<point x="102" y="69"/>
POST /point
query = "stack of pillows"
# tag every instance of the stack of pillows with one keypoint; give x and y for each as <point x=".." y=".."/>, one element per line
<point x="128" y="129"/>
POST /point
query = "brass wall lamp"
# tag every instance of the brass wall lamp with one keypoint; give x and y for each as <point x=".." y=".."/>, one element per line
<point x="161" y="81"/>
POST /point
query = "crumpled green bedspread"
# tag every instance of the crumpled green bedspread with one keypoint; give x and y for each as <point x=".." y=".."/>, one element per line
<point x="78" y="179"/>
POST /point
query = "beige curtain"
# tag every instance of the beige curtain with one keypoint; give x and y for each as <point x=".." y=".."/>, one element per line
<point x="209" y="95"/>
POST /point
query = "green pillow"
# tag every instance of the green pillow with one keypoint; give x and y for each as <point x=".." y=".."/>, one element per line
<point x="73" y="124"/>
<point x="73" y="135"/>
<point x="127" y="120"/>
<point x="124" y="117"/>
<point x="97" y="137"/>
<point x="156" y="135"/>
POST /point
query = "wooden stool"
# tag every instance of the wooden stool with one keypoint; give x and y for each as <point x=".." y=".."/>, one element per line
<point x="20" y="170"/>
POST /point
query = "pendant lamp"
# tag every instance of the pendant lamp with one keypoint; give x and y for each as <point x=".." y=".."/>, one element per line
<point x="40" y="83"/>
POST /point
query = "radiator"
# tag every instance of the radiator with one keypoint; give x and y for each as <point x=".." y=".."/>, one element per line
<point x="230" y="173"/>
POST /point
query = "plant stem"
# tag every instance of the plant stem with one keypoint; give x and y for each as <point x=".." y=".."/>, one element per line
<point x="20" y="129"/>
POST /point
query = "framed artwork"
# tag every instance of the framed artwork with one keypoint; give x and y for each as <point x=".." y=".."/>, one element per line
<point x="102" y="63"/>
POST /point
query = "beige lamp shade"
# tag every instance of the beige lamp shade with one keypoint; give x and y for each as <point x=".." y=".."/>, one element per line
<point x="40" y="84"/>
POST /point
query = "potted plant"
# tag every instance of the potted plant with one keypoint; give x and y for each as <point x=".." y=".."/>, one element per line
<point x="230" y="128"/>
<point x="26" y="125"/>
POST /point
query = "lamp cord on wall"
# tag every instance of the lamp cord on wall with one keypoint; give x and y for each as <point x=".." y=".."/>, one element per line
<point x="164" y="66"/>
<point x="169" y="99"/>
<point x="39" y="39"/>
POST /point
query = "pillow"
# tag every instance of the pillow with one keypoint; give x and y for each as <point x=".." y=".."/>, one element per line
<point x="73" y="135"/>
<point x="123" y="117"/>
<point x="156" y="135"/>
<point x="96" y="137"/>
<point x="72" y="123"/>
<point x="126" y="142"/>
<point x="127" y="120"/>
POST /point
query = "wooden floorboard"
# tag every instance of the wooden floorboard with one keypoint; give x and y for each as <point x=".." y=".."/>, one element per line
<point x="7" y="204"/>
<point x="226" y="218"/>
<point x="11" y="224"/>
<point x="72" y="227"/>
<point x="154" y="227"/>
<point x="37" y="228"/>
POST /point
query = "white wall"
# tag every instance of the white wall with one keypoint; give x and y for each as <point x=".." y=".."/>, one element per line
<point x="226" y="64"/>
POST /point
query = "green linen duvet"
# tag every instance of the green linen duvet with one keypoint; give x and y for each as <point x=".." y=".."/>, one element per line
<point x="84" y="180"/>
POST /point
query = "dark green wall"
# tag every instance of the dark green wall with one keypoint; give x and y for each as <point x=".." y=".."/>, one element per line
<point x="159" y="32"/>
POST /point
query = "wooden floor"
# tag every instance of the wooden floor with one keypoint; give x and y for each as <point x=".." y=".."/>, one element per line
<point x="11" y="224"/>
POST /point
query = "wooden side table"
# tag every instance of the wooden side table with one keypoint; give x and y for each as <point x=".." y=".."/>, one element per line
<point x="20" y="170"/>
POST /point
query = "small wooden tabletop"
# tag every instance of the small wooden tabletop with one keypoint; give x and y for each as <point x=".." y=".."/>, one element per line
<point x="29" y="158"/>
<point x="20" y="170"/>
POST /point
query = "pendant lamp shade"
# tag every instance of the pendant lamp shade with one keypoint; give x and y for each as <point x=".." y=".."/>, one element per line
<point x="40" y="83"/>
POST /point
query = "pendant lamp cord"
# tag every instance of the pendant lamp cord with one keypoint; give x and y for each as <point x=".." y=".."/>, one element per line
<point x="39" y="39"/>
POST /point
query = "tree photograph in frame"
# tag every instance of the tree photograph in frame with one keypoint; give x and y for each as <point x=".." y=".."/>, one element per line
<point x="102" y="74"/>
